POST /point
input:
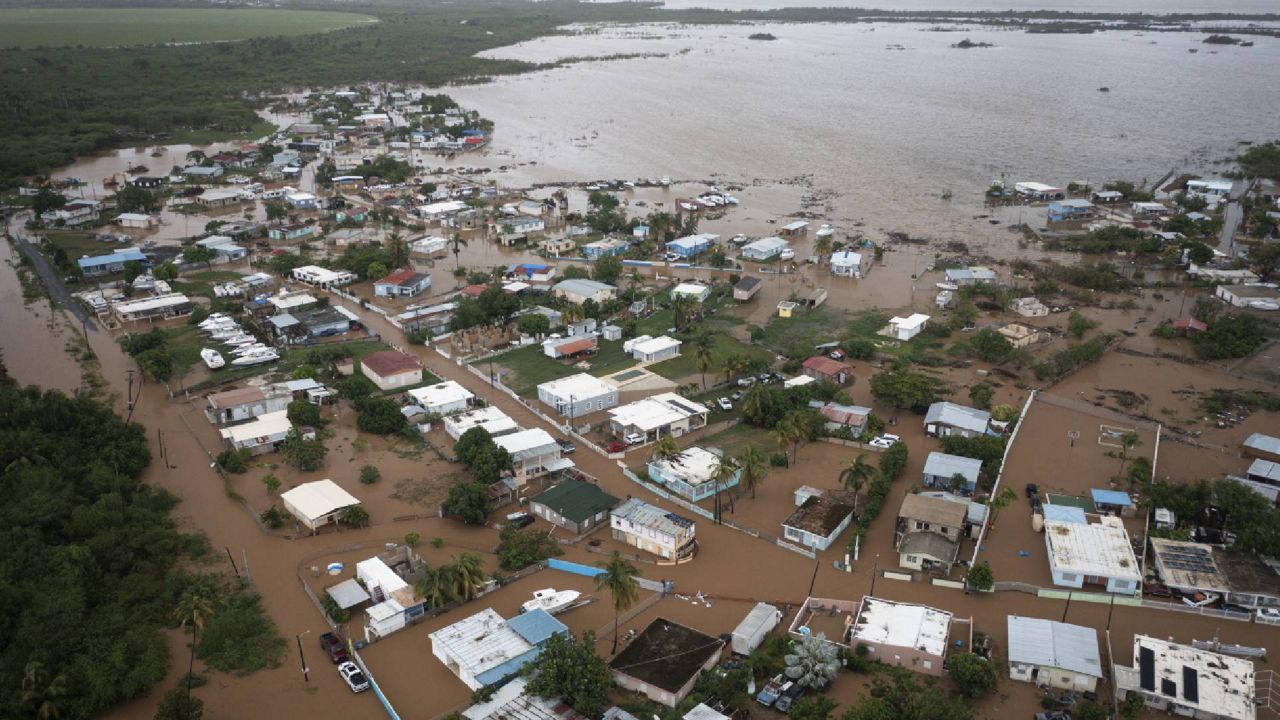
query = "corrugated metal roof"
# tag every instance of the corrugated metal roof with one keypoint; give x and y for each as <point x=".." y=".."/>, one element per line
<point x="959" y="416"/>
<point x="941" y="464"/>
<point x="1263" y="443"/>
<point x="1110" y="497"/>
<point x="1047" y="643"/>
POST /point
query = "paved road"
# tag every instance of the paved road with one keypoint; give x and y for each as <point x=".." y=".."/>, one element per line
<point x="48" y="276"/>
<point x="1231" y="219"/>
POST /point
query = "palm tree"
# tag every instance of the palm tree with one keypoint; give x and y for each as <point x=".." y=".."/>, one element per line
<point x="633" y="281"/>
<point x="666" y="447"/>
<point x="1128" y="441"/>
<point x="822" y="247"/>
<point x="468" y="575"/>
<point x="786" y="432"/>
<point x="571" y="314"/>
<point x="855" y="475"/>
<point x="755" y="404"/>
<point x="682" y="311"/>
<point x="702" y="355"/>
<point x="725" y="471"/>
<point x="435" y="587"/>
<point x="1001" y="501"/>
<point x="397" y="247"/>
<point x="194" y="610"/>
<point x="734" y="365"/>
<point x="40" y="693"/>
<point x="456" y="243"/>
<point x="754" y="466"/>
<point x="619" y="578"/>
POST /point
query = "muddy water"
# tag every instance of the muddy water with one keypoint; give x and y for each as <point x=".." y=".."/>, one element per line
<point x="28" y="364"/>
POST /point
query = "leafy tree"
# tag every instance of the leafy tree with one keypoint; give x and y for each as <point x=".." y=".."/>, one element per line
<point x="1078" y="324"/>
<point x="469" y="501"/>
<point x="534" y="324"/>
<point x="974" y="676"/>
<point x="43" y="696"/>
<point x="306" y="455"/>
<point x="376" y="270"/>
<point x="130" y="199"/>
<point x="272" y="482"/>
<point x="46" y="200"/>
<point x="607" y="269"/>
<point x="980" y="395"/>
<point x="240" y="637"/>
<point x="1199" y="253"/>
<point x="276" y="211"/>
<point x="356" y="388"/>
<point x="354" y="516"/>
<point x="1004" y="413"/>
<point x="1087" y="709"/>
<point x="619" y="578"/>
<point x="1265" y="258"/>
<point x="571" y="670"/>
<point x="285" y="263"/>
<point x="990" y="346"/>
<point x="979" y="577"/>
<point x="1231" y="336"/>
<point x="370" y="474"/>
<point x="1001" y="501"/>
<point x="235" y="462"/>
<point x="897" y="695"/>
<point x="197" y="254"/>
<point x="180" y="705"/>
<point x="518" y="549"/>
<point x="859" y="349"/>
<point x="892" y="461"/>
<point x="903" y="388"/>
<point x="812" y="707"/>
<point x="855" y="475"/>
<point x="303" y="413"/>
<point x="167" y="272"/>
<point x="272" y="517"/>
<point x="378" y="416"/>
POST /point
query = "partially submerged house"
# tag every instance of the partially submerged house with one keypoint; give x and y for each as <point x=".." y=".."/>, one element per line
<point x="580" y="290"/>
<point x="494" y="421"/>
<point x="654" y="530"/>
<point x="941" y="471"/>
<point x="650" y="349"/>
<point x="1053" y="654"/>
<point x="821" y="367"/>
<point x="1093" y="554"/>
<point x="698" y="292"/>
<point x="574" y="505"/>
<point x="485" y="649"/>
<point x="1074" y="209"/>
<point x="842" y="417"/>
<point x="691" y="473"/>
<point x="905" y="328"/>
<point x="443" y="398"/>
<point x="1184" y="680"/>
<point x="746" y="288"/>
<point x="910" y="636"/>
<point x="402" y="284"/>
<point x="764" y="249"/>
<point x="391" y="369"/>
<point x="658" y="415"/>
<point x="664" y="661"/>
<point x="847" y="263"/>
<point x="263" y="434"/>
<point x="233" y="406"/>
<point x="1261" y="446"/>
<point x="578" y="395"/>
<point x="819" y="518"/>
<point x="928" y="532"/>
<point x="947" y="418"/>
<point x="316" y="504"/>
<point x="534" y="453"/>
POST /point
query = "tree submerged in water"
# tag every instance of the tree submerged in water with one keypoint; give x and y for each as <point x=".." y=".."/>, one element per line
<point x="762" y="36"/>
<point x="966" y="43"/>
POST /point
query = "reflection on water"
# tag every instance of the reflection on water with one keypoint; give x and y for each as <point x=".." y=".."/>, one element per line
<point x="1080" y="6"/>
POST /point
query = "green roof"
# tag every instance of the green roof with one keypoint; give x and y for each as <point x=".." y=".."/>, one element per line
<point x="576" y="501"/>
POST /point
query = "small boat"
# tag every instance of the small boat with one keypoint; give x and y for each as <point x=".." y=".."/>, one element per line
<point x="227" y="333"/>
<point x="214" y="319"/>
<point x="212" y="359"/>
<point x="1201" y="599"/>
<point x="947" y="286"/>
<point x="256" y="357"/>
<point x="551" y="600"/>
<point x="826" y="231"/>
<point x="665" y="181"/>
<point x="688" y="206"/>
<point x="240" y="340"/>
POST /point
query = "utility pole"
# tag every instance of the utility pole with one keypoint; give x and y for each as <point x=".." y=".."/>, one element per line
<point x="129" y="396"/>
<point x="306" y="678"/>
<point x="233" y="561"/>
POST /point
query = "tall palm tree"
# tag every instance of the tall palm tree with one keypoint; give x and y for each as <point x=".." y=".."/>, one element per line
<point x="855" y="475"/>
<point x="456" y="243"/>
<point x="619" y="578"/>
<point x="194" y="610"/>
<point x="682" y="311"/>
<point x="1128" y="442"/>
<point x="633" y="281"/>
<point x="468" y="575"/>
<point x="435" y="587"/>
<point x="42" y="694"/>
<point x="1001" y="501"/>
<point x="755" y="404"/>
<point x="785" y="433"/>
<point x="822" y="247"/>
<point x="572" y="313"/>
<point x="726" y="469"/>
<point x="397" y="247"/>
<point x="754" y="466"/>
<point x="666" y="447"/>
<point x="702" y="355"/>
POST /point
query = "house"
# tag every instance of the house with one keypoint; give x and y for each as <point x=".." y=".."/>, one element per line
<point x="652" y="417"/>
<point x="292" y="233"/>
<point x="494" y="421"/>
<point x="200" y="172"/>
<point x="263" y="434"/>
<point x="156" y="307"/>
<point x="569" y="347"/>
<point x="433" y="319"/>
<point x="905" y="328"/>
<point x="312" y="323"/>
<point x="1053" y="654"/>
<point x="1020" y="335"/>
<point x="233" y="406"/>
<point x="654" y="530"/>
<point x="555" y="247"/>
<point x="823" y="368"/>
<point x="975" y="512"/>
<point x="818" y="518"/>
<point x="223" y="246"/>
<point x="316" y="504"/>
<point x="348" y="183"/>
<point x="391" y="369"/>
<point x="218" y="198"/>
<point x="697" y="291"/>
<point x="140" y="221"/>
<point x="578" y="291"/>
<point x="691" y="245"/>
<point x="1149" y="209"/>
<point x="1238" y="276"/>
<point x="110" y="263"/>
<point x="1039" y="191"/>
<point x="1107" y="196"/>
<point x="324" y="278"/>
<point x="444" y="398"/>
<point x="947" y="418"/>
<point x="1220" y="188"/>
<point x="691" y="474"/>
<point x="604" y="248"/>
<point x="650" y="349"/>
<point x="531" y="272"/>
<point x="578" y="395"/>
<point x="524" y="225"/>
<point x="1258" y="297"/>
<point x="746" y="288"/>
<point x="301" y="200"/>
<point x="347" y="237"/>
<point x="511" y="702"/>
<point x="380" y="581"/>
<point x="941" y="469"/>
<point x="850" y="417"/>
<point x="928" y="532"/>
<point x="438" y="211"/>
<point x="664" y="661"/>
<point x="1096" y="554"/>
<point x="1184" y="680"/>
<point x="1239" y="578"/>
<point x="1071" y="210"/>
<point x="847" y="263"/>
<point x="1188" y="325"/>
<point x="795" y="228"/>
<point x="76" y="212"/>
<point x="1264" y="447"/>
<point x="787" y="308"/>
<point x="394" y="599"/>
<point x="431" y="246"/>
<point x="764" y="249"/>
<point x="534" y="453"/>
<point x="484" y="649"/>
<point x="1264" y="471"/>
<point x="402" y="284"/>
<point x="910" y="636"/>
<point x="973" y="275"/>
<point x="1029" y="307"/>
<point x="574" y="505"/>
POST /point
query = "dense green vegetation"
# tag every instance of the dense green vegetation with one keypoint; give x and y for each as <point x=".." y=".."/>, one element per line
<point x="1261" y="161"/>
<point x="115" y="27"/>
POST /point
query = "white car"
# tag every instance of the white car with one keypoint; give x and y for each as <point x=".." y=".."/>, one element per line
<point x="747" y="381"/>
<point x="787" y="254"/>
<point x="633" y="438"/>
<point x="671" y="257"/>
<point x="724" y="404"/>
<point x="885" y="441"/>
<point x="1268" y="613"/>
<point x="353" y="677"/>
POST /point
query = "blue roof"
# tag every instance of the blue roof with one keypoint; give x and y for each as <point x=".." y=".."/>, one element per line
<point x="1110" y="497"/>
<point x="1064" y="514"/>
<point x="112" y="258"/>
<point x="499" y="674"/>
<point x="536" y="626"/>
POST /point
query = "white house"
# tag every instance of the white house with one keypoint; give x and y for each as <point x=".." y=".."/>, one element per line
<point x="317" y="276"/>
<point x="1097" y="554"/>
<point x="697" y="291"/>
<point x="819" y="517"/>
<point x="578" y="395"/>
<point x="402" y="284"/>
<point x="136" y="220"/>
<point x="1256" y="296"/>
<point x="485" y="650"/>
<point x="431" y="245"/>
<point x="232" y="406"/>
<point x="946" y="418"/>
<point x="260" y="435"/>
<point x="910" y="636"/>
<point x="380" y="581"/>
<point x="441" y="210"/>
<point x="846" y="263"/>
<point x="765" y="248"/>
<point x="442" y="398"/>
<point x="691" y="473"/>
<point x="493" y="420"/>
<point x="905" y="328"/>
<point x="1048" y="653"/>
<point x="534" y="453"/>
<point x="652" y="529"/>
<point x="1184" y="680"/>
<point x="652" y="417"/>
<point x="318" y="503"/>
<point x="651" y="349"/>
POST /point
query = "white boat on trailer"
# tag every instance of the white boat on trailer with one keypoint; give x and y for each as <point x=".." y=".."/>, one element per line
<point x="551" y="600"/>
<point x="257" y="357"/>
<point x="212" y="359"/>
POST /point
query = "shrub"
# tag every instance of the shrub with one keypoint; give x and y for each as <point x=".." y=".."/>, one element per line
<point x="518" y="549"/>
<point x="272" y="517"/>
<point x="778" y="459"/>
<point x="235" y="462"/>
<point x="974" y="676"/>
<point x="369" y="475"/>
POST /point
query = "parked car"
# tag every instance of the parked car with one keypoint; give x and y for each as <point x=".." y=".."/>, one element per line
<point x="1267" y="613"/>
<point x="334" y="647"/>
<point x="353" y="677"/>
<point x="768" y="695"/>
<point x="616" y="446"/>
<point x="881" y="443"/>
<point x="891" y="438"/>
<point x="764" y="377"/>
<point x="1032" y="490"/>
<point x="788" y="696"/>
<point x="520" y="520"/>
<point x="566" y="447"/>
<point x="633" y="439"/>
<point x="671" y="257"/>
<point x="836" y="354"/>
<point x="735" y="395"/>
<point x="724" y="404"/>
<point x="1053" y="715"/>
<point x="747" y="381"/>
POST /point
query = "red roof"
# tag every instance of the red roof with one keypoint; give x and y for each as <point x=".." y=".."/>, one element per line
<point x="390" y="362"/>
<point x="576" y="346"/>
<point x="1189" y="323"/>
<point x="401" y="277"/>
<point x="827" y="366"/>
<point x="474" y="290"/>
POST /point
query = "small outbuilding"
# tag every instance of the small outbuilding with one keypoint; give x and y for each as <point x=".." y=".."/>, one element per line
<point x="391" y="369"/>
<point x="316" y="504"/>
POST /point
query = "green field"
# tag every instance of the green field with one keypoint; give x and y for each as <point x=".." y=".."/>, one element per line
<point x="28" y="28"/>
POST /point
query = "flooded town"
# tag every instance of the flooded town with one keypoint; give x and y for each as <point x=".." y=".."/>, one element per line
<point x="541" y="398"/>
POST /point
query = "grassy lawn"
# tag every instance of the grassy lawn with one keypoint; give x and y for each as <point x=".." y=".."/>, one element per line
<point x="685" y="366"/>
<point x="212" y="276"/>
<point x="290" y="360"/>
<point x="739" y="437"/>
<point x="532" y="368"/>
<point x="111" y="27"/>
<point x="77" y="243"/>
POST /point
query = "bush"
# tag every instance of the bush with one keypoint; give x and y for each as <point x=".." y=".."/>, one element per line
<point x="518" y="549"/>
<point x="369" y="475"/>
<point x="304" y="414"/>
<point x="974" y="676"/>
<point x="235" y="462"/>
<point x="272" y="517"/>
<point x="778" y="459"/>
<point x="980" y="394"/>
<point x="979" y="577"/>
<point x="378" y="416"/>
<point x="178" y="705"/>
<point x="240" y="638"/>
<point x="469" y="501"/>
<point x="335" y="613"/>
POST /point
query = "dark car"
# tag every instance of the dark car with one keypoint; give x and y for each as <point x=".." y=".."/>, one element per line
<point x="334" y="647"/>
<point x="788" y="697"/>
<point x="1032" y="490"/>
<point x="1156" y="590"/>
<point x="520" y="520"/>
<point x="566" y="447"/>
<point x="616" y="446"/>
<point x="1053" y="715"/>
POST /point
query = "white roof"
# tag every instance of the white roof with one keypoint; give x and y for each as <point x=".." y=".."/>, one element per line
<point x="511" y="703"/>
<point x="767" y="245"/>
<point x="580" y="387"/>
<point x="1049" y="643"/>
<point x="319" y="274"/>
<point x="265" y="425"/>
<point x="885" y="622"/>
<point x="285" y="302"/>
<point x="1224" y="685"/>
<point x="798" y="380"/>
<point x="1035" y="187"/>
<point x="490" y="418"/>
<point x="653" y="412"/>
<point x="846" y="257"/>
<point x="1263" y="443"/>
<point x="1264" y="469"/>
<point x="690" y="289"/>
<point x="695" y="465"/>
<point x="316" y="499"/>
<point x="445" y="393"/>
<point x="439" y="208"/>
<point x="910" y="322"/>
<point x="525" y="441"/>
<point x="300" y="197"/>
<point x="693" y="241"/>
<point x="796" y="225"/>
<point x="481" y="642"/>
<point x="140" y="217"/>
<point x="1100" y="550"/>
<point x="429" y="243"/>
<point x="151" y="303"/>
<point x="377" y="571"/>
<point x="702" y="712"/>
<point x="653" y="345"/>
